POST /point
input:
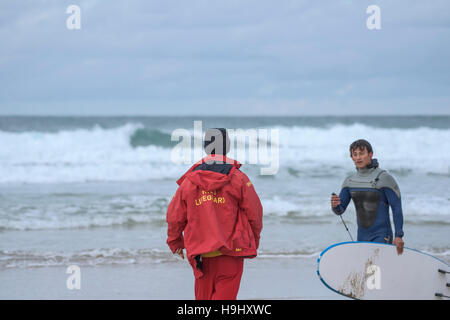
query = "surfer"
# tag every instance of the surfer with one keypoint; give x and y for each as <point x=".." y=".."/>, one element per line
<point x="373" y="191"/>
<point x="220" y="214"/>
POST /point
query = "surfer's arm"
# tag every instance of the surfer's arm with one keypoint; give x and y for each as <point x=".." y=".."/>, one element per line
<point x="344" y="197"/>
<point x="393" y="196"/>
<point x="176" y="222"/>
<point x="397" y="212"/>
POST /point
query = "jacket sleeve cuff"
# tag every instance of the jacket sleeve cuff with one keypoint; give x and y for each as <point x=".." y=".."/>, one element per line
<point x="174" y="245"/>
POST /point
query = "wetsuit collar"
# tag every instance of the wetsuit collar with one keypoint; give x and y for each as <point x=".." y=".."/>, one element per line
<point x="372" y="166"/>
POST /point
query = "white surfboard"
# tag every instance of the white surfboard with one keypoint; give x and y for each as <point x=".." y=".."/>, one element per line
<point x="369" y="270"/>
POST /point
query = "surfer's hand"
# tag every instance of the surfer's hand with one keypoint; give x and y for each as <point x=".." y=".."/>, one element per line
<point x="398" y="242"/>
<point x="335" y="200"/>
<point x="179" y="252"/>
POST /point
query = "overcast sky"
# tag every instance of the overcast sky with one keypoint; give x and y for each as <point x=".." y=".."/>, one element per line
<point x="224" y="57"/>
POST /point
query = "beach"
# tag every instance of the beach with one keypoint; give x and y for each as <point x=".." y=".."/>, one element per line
<point x="93" y="192"/>
<point x="290" y="279"/>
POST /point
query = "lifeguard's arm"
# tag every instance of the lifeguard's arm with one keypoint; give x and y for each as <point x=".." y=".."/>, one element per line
<point x="176" y="221"/>
<point x="251" y="204"/>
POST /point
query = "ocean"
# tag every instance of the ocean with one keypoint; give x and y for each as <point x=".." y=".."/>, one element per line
<point x="93" y="192"/>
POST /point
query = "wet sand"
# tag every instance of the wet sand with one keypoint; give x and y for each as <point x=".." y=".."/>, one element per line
<point x="291" y="278"/>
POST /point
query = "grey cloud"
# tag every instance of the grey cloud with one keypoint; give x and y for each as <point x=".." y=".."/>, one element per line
<point x="294" y="53"/>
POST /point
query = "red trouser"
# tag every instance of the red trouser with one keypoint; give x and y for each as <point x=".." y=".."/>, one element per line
<point x="221" y="278"/>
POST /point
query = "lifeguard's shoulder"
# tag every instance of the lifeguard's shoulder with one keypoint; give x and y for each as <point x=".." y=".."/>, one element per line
<point x="241" y="181"/>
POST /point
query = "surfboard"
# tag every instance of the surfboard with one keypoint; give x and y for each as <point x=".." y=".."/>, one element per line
<point x="369" y="270"/>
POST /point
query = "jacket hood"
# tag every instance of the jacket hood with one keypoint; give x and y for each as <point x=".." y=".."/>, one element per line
<point x="210" y="180"/>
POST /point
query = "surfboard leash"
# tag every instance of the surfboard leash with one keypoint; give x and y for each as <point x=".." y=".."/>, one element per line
<point x="346" y="228"/>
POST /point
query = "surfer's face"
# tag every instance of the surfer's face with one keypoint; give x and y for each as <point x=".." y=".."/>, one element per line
<point x="361" y="157"/>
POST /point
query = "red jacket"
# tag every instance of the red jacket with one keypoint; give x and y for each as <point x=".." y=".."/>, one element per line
<point x="216" y="211"/>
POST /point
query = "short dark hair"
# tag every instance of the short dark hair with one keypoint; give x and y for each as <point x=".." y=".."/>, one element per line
<point x="361" y="144"/>
<point x="217" y="141"/>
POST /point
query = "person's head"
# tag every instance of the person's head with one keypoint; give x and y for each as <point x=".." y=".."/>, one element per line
<point x="361" y="153"/>
<point x="217" y="141"/>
